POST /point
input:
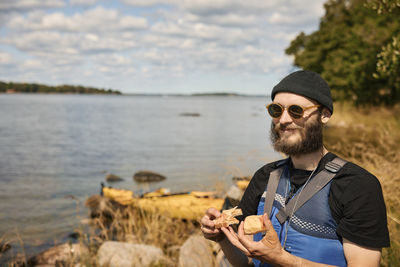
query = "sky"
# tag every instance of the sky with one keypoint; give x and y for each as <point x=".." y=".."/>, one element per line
<point x="153" y="46"/>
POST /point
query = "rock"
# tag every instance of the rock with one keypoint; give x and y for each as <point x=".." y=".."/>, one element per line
<point x="74" y="235"/>
<point x="113" y="253"/>
<point x="190" y="114"/>
<point x="196" y="252"/>
<point x="234" y="192"/>
<point x="113" y="178"/>
<point x="61" y="255"/>
<point x="232" y="197"/>
<point x="148" y="176"/>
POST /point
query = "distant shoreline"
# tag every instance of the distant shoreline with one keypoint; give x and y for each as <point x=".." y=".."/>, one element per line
<point x="136" y="94"/>
<point x="34" y="88"/>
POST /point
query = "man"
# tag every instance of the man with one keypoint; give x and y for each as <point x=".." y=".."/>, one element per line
<point x="342" y="223"/>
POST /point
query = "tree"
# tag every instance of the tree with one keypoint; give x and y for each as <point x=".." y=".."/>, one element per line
<point x="41" y="88"/>
<point x="3" y="87"/>
<point x="388" y="65"/>
<point x="344" y="50"/>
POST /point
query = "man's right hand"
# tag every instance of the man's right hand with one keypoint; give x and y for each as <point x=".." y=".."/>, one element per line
<point x="208" y="226"/>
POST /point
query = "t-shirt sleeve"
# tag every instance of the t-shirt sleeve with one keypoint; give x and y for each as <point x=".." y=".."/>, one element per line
<point x="364" y="220"/>
<point x="252" y="195"/>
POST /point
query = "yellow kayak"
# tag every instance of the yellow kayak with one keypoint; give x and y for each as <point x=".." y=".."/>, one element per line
<point x="190" y="206"/>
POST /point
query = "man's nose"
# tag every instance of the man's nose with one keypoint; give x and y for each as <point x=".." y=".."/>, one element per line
<point x="285" y="118"/>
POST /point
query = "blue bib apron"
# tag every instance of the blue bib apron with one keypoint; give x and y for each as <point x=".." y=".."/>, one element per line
<point x="311" y="233"/>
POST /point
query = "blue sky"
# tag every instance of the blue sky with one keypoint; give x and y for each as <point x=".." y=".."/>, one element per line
<point x="153" y="46"/>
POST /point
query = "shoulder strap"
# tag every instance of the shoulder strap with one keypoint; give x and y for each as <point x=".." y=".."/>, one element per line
<point x="315" y="184"/>
<point x="272" y="185"/>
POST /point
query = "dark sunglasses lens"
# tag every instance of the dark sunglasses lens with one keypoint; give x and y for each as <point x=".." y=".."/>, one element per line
<point x="296" y="111"/>
<point x="275" y="110"/>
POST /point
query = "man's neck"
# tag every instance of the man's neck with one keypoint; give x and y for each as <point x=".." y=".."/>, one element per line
<point x="308" y="161"/>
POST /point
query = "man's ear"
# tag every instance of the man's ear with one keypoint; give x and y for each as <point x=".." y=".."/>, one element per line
<point x="325" y="115"/>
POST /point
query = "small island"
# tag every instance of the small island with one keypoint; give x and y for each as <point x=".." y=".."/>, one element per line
<point x="13" y="87"/>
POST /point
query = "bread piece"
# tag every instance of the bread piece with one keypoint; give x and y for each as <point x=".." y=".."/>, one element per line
<point x="228" y="217"/>
<point x="253" y="224"/>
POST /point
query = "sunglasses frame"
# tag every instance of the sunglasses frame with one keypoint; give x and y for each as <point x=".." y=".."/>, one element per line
<point x="288" y="110"/>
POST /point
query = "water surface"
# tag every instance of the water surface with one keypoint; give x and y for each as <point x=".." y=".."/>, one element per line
<point x="57" y="146"/>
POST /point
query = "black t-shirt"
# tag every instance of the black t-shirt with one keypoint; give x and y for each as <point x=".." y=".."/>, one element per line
<point x="355" y="199"/>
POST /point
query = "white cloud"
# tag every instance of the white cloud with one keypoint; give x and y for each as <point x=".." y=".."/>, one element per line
<point x="296" y="13"/>
<point x="234" y="20"/>
<point x="82" y="2"/>
<point x="32" y="64"/>
<point x="98" y="19"/>
<point x="130" y="22"/>
<point x="15" y="5"/>
<point x="121" y="44"/>
<point x="148" y="2"/>
<point x="5" y="58"/>
<point x="207" y="7"/>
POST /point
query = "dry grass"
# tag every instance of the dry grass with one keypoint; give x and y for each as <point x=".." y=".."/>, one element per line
<point x="370" y="137"/>
<point x="130" y="224"/>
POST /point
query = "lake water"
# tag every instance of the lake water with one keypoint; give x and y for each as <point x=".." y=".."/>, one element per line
<point x="57" y="146"/>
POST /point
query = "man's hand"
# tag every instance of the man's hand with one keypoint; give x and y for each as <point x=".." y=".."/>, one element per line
<point x="208" y="226"/>
<point x="268" y="249"/>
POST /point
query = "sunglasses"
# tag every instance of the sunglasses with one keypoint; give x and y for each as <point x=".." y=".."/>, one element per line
<point x="295" y="111"/>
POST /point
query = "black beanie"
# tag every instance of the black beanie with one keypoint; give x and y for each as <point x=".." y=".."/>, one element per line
<point x="306" y="83"/>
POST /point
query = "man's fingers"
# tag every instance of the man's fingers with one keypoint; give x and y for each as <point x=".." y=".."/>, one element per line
<point x="233" y="238"/>
<point x="207" y="220"/>
<point x="270" y="239"/>
<point x="243" y="239"/>
<point x="208" y="226"/>
<point x="207" y="230"/>
<point x="213" y="213"/>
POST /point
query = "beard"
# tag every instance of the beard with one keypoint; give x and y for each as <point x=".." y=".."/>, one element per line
<point x="310" y="139"/>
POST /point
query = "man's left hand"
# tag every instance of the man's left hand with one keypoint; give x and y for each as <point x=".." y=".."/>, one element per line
<point x="268" y="249"/>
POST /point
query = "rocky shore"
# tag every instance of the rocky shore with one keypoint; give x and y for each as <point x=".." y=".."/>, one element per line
<point x="123" y="235"/>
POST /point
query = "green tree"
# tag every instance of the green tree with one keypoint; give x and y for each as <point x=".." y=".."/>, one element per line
<point x="3" y="87"/>
<point x="388" y="64"/>
<point x="344" y="50"/>
<point x="41" y="88"/>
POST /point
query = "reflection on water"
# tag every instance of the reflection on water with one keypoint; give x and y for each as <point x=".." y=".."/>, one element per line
<point x="53" y="146"/>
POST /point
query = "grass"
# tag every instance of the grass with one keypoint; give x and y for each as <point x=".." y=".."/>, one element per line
<point x="130" y="224"/>
<point x="370" y="137"/>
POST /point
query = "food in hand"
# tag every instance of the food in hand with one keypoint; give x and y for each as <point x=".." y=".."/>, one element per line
<point x="228" y="217"/>
<point x="254" y="224"/>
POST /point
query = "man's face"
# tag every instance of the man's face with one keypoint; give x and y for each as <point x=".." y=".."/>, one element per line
<point x="295" y="137"/>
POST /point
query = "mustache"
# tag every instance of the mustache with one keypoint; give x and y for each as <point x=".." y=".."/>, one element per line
<point x="281" y="127"/>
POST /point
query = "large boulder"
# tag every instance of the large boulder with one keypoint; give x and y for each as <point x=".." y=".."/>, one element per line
<point x="113" y="253"/>
<point x="148" y="176"/>
<point x="196" y="252"/>
<point x="61" y="255"/>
